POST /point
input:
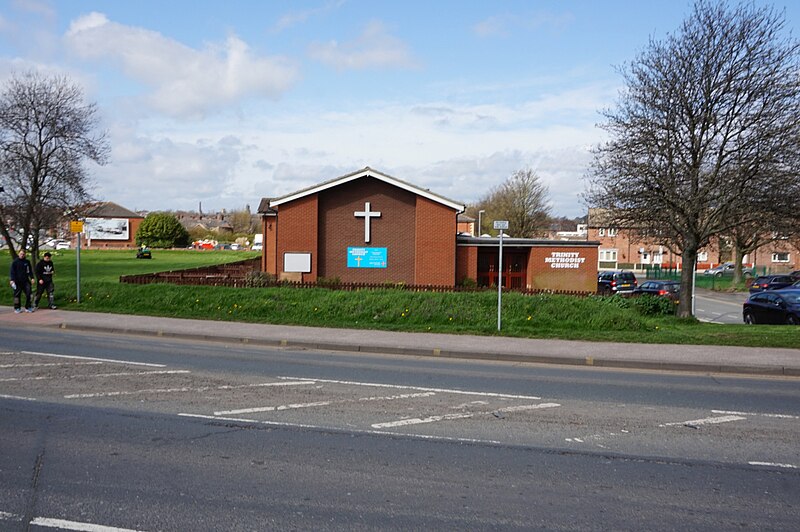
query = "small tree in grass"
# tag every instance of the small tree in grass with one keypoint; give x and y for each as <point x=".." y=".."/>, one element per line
<point x="162" y="230"/>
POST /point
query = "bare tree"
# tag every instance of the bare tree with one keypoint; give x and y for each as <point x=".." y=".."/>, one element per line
<point x="522" y="201"/>
<point x="705" y="132"/>
<point x="47" y="130"/>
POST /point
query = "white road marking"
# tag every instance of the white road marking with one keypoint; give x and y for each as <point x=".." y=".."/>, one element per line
<point x="182" y="389"/>
<point x="417" y="421"/>
<point x="353" y="431"/>
<point x="270" y="408"/>
<point x="110" y="360"/>
<point x="773" y="464"/>
<point x="447" y="417"/>
<point x="319" y="403"/>
<point x="99" y="375"/>
<point x="5" y="516"/>
<point x="6" y="366"/>
<point x="75" y="525"/>
<point x="706" y="421"/>
<point x="16" y="397"/>
<point x="779" y="416"/>
<point x="418" y="388"/>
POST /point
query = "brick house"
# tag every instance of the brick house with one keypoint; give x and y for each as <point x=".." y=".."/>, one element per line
<point x="373" y="228"/>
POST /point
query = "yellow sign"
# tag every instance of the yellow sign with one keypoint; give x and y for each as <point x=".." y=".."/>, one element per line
<point x="76" y="226"/>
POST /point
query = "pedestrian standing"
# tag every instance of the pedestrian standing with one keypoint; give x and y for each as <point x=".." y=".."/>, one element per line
<point x="21" y="279"/>
<point x="44" y="273"/>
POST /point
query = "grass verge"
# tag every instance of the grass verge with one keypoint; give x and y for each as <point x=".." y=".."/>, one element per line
<point x="540" y="316"/>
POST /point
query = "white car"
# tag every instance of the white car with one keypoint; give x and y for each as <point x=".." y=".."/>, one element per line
<point x="62" y="244"/>
<point x="258" y="246"/>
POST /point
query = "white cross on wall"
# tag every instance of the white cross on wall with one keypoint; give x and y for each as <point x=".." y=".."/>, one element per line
<point x="367" y="214"/>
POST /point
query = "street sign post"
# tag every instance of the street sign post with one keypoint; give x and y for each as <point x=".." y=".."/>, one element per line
<point x="501" y="225"/>
<point x="76" y="226"/>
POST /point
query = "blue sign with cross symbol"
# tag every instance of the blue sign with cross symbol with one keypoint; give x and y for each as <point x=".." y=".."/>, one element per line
<point x="366" y="257"/>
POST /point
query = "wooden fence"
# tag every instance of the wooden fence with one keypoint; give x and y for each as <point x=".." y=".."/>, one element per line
<point x="240" y="275"/>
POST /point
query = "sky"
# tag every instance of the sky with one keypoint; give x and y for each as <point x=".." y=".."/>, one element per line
<point x="219" y="104"/>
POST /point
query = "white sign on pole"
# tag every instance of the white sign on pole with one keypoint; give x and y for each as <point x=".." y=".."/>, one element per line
<point x="501" y="225"/>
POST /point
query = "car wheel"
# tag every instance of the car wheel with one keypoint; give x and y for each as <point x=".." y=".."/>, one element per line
<point x="749" y="319"/>
<point x="718" y="274"/>
<point x="791" y="319"/>
<point x="748" y="275"/>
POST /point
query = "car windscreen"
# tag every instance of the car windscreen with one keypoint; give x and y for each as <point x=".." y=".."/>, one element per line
<point x="626" y="276"/>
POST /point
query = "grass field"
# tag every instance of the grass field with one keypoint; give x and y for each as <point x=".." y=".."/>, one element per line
<point x="539" y="316"/>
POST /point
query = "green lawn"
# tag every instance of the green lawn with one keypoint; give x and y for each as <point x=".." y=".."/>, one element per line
<point x="540" y="316"/>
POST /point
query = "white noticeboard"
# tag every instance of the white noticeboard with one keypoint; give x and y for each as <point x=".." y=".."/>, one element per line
<point x="501" y="224"/>
<point x="297" y="262"/>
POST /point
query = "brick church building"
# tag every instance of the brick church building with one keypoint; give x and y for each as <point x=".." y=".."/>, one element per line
<point x="373" y="228"/>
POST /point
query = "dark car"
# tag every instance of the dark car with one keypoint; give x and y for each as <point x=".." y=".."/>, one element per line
<point x="782" y="306"/>
<point x="616" y="282"/>
<point x="770" y="282"/>
<point x="795" y="275"/>
<point x="668" y="289"/>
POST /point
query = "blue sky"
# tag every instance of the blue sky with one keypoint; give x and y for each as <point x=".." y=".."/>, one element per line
<point x="227" y="102"/>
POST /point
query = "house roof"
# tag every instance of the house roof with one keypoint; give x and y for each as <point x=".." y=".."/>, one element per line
<point x="108" y="209"/>
<point x="365" y="172"/>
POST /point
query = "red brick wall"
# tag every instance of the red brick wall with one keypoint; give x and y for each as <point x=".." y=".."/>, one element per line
<point x="269" y="250"/>
<point x="298" y="232"/>
<point x="435" y="243"/>
<point x="466" y="263"/>
<point x="544" y="271"/>
<point x="339" y="229"/>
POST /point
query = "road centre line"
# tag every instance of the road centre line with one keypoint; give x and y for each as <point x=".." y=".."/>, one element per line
<point x="110" y="360"/>
<point x="773" y="464"/>
<point x="448" y="417"/>
<point x="16" y="397"/>
<point x="75" y="525"/>
<point x="705" y="421"/>
<point x="182" y="389"/>
<point x="98" y="375"/>
<point x="9" y="366"/>
<point x="319" y="403"/>
<point x="284" y="424"/>
<point x="779" y="416"/>
<point x="418" y="388"/>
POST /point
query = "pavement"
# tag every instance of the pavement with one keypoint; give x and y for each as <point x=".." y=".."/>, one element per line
<point x="706" y="359"/>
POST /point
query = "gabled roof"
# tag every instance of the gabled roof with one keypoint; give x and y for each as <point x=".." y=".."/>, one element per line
<point x="366" y="172"/>
<point x="108" y="209"/>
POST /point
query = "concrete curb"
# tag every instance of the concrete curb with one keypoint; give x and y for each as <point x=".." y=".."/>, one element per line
<point x="774" y="370"/>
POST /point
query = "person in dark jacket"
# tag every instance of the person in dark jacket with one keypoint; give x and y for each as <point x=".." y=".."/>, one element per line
<point x="44" y="273"/>
<point x="21" y="279"/>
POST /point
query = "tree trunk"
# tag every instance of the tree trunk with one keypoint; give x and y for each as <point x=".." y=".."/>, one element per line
<point x="736" y="257"/>
<point x="688" y="266"/>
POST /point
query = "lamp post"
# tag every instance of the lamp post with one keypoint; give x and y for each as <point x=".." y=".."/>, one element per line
<point x="480" y="212"/>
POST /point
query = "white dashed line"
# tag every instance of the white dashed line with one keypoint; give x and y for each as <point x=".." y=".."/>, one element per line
<point x="16" y="397"/>
<point x="182" y="389"/>
<point x="319" y="403"/>
<point x="705" y="421"/>
<point x="418" y="421"/>
<point x="8" y="366"/>
<point x="418" y="388"/>
<point x="779" y="416"/>
<point x="99" y="375"/>
<point x="110" y="360"/>
<point x="773" y="464"/>
<point x="75" y="525"/>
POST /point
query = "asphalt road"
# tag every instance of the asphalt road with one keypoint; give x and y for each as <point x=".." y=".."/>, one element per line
<point x="144" y="434"/>
<point x="719" y="307"/>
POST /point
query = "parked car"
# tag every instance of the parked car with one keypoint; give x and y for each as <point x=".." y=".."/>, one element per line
<point x="668" y="289"/>
<point x="795" y="275"/>
<point x="770" y="282"/>
<point x="257" y="246"/>
<point x="777" y="307"/>
<point x="616" y="282"/>
<point x="727" y="268"/>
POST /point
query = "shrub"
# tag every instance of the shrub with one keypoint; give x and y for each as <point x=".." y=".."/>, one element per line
<point x="162" y="230"/>
<point x="258" y="279"/>
<point x="648" y="305"/>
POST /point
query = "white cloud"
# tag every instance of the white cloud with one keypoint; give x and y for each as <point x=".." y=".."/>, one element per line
<point x="186" y="82"/>
<point x="374" y="48"/>
<point x="294" y="18"/>
<point x="506" y="24"/>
